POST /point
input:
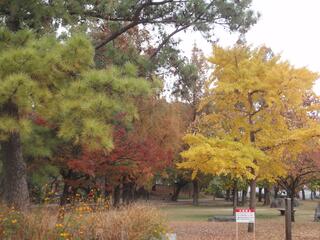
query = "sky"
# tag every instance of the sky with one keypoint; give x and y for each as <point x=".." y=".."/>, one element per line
<point x="288" y="27"/>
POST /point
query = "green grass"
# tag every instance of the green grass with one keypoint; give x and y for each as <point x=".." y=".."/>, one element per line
<point x="184" y="211"/>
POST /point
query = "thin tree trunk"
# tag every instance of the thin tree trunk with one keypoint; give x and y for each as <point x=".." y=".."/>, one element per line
<point x="195" y="195"/>
<point x="15" y="173"/>
<point x="244" y="197"/>
<point x="227" y="198"/>
<point x="260" y="195"/>
<point x="276" y="190"/>
<point x="65" y="194"/>
<point x="65" y="197"/>
<point x="101" y="184"/>
<point x="116" y="196"/>
<point x="303" y="194"/>
<point x="235" y="197"/>
<point x="267" y="200"/>
<point x="292" y="209"/>
<point x="252" y="203"/>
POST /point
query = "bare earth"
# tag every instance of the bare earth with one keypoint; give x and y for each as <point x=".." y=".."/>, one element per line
<point x="266" y="229"/>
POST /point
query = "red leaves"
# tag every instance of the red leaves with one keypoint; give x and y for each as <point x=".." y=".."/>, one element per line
<point x="40" y="121"/>
<point x="131" y="156"/>
<point x="141" y="152"/>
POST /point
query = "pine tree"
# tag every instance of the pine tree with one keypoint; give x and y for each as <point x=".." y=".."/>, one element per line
<point x="56" y="81"/>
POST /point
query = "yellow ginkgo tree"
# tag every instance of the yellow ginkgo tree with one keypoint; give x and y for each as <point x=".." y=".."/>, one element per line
<point x="251" y="102"/>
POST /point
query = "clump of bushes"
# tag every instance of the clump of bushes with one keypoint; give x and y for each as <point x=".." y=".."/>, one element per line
<point x="133" y="222"/>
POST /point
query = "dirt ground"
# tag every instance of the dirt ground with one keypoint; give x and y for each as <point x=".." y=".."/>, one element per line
<point x="265" y="229"/>
<point x="191" y="223"/>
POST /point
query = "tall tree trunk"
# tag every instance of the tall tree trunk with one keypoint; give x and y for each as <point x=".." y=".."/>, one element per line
<point x="303" y="194"/>
<point x="195" y="194"/>
<point x="260" y="195"/>
<point x="15" y="173"/>
<point x="244" y="197"/>
<point x="15" y="170"/>
<point x="267" y="200"/>
<point x="252" y="203"/>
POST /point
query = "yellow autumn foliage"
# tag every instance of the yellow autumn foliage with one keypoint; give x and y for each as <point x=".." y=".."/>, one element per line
<point x="253" y="113"/>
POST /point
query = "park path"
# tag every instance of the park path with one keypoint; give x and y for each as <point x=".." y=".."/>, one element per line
<point x="266" y="230"/>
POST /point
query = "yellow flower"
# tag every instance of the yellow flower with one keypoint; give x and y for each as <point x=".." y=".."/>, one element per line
<point x="64" y="234"/>
<point x="59" y="225"/>
<point x="14" y="221"/>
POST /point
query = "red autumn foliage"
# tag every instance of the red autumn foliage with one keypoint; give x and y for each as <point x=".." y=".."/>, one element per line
<point x="130" y="156"/>
<point x="138" y="154"/>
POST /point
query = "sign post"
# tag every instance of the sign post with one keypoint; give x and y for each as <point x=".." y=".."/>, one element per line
<point x="245" y="216"/>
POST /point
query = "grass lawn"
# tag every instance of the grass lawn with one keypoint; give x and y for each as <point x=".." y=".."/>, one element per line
<point x="191" y="222"/>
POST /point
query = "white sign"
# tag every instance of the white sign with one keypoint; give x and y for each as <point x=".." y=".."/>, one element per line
<point x="245" y="215"/>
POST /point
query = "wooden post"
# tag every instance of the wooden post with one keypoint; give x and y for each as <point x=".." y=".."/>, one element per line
<point x="237" y="231"/>
<point x="288" y="219"/>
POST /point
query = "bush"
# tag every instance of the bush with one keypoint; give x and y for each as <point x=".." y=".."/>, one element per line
<point x="134" y="222"/>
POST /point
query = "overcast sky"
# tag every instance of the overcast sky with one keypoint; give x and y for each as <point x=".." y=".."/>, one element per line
<point x="288" y="27"/>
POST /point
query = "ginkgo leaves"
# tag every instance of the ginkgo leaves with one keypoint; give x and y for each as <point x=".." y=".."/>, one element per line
<point x="221" y="157"/>
<point x="253" y="110"/>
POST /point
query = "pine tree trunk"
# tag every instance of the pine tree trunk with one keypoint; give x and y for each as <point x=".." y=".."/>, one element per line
<point x="260" y="195"/>
<point x="252" y="203"/>
<point x="15" y="173"/>
<point x="195" y="195"/>
<point x="267" y="200"/>
<point x="14" y="167"/>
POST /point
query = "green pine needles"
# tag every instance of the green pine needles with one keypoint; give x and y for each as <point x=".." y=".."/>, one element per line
<point x="56" y="81"/>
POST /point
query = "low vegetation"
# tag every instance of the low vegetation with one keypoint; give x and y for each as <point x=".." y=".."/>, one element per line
<point x="83" y="222"/>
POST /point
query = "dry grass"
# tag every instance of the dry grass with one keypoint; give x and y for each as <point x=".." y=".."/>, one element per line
<point x="134" y="222"/>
